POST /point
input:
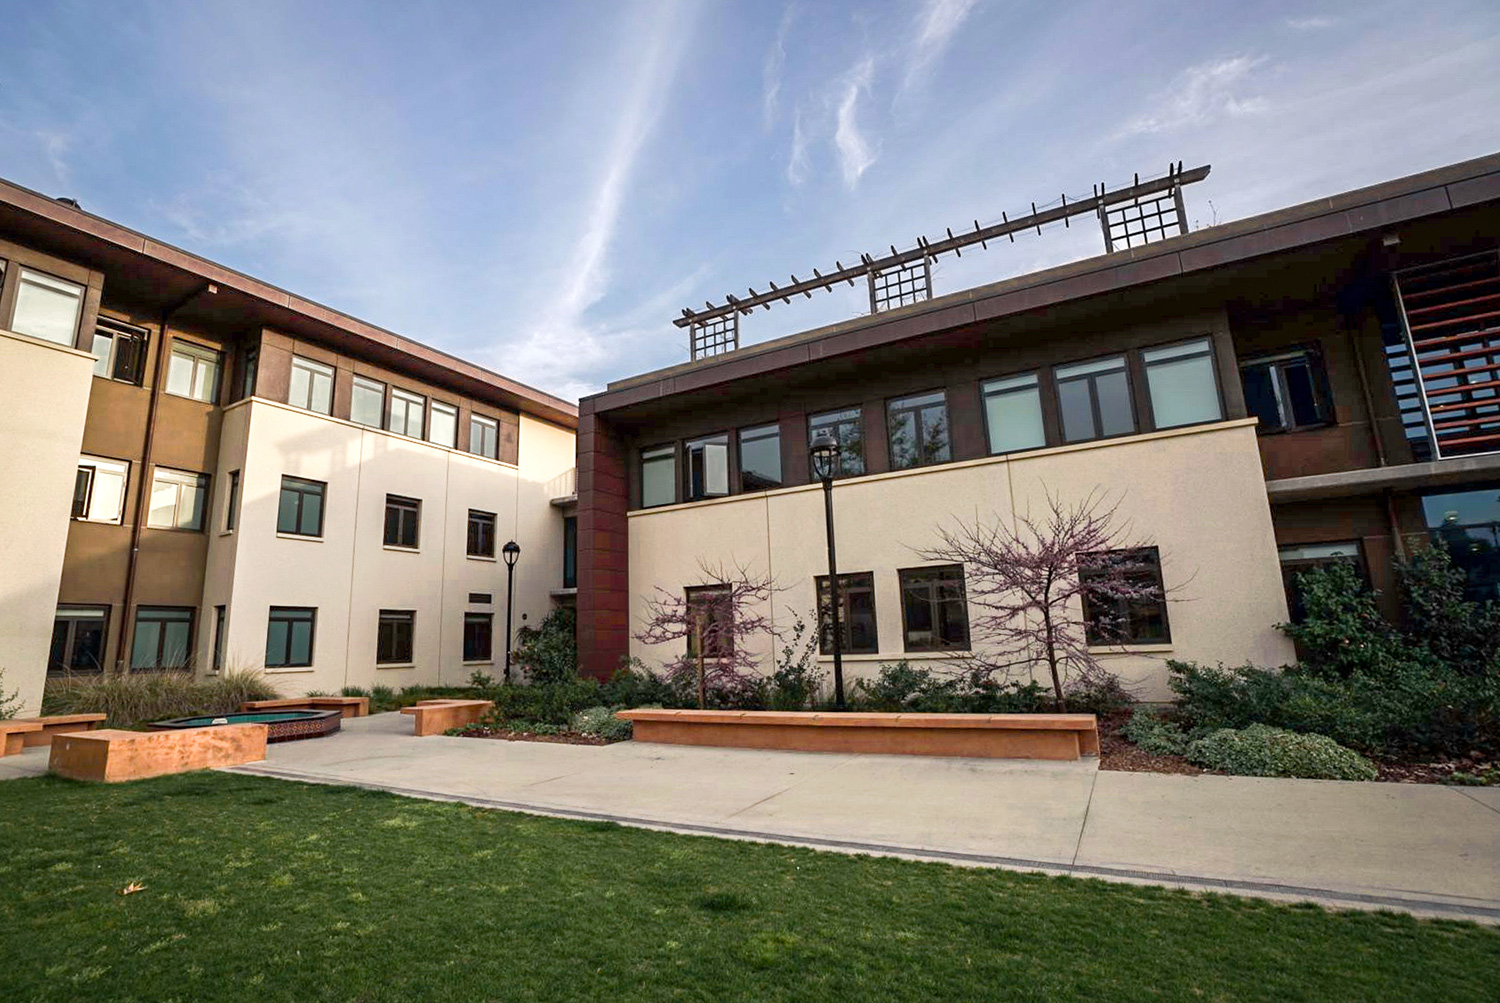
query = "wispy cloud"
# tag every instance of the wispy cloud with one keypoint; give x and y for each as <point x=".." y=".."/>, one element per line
<point x="1201" y="94"/>
<point x="937" y="22"/>
<point x="855" y="152"/>
<point x="1309" y="23"/>
<point x="796" y="165"/>
<point x="772" y="70"/>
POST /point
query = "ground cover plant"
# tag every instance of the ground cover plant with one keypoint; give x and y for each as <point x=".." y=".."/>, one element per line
<point x="253" y="888"/>
<point x="1263" y="751"/>
<point x="135" y="699"/>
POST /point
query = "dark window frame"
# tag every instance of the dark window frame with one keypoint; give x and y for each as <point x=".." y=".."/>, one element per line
<point x="70" y="638"/>
<point x="232" y="503"/>
<point x="1037" y="377"/>
<point x="1095" y="412"/>
<point x="570" y="552"/>
<point x="1211" y="351"/>
<point x="221" y="620"/>
<point x="471" y="655"/>
<point x="688" y="450"/>
<point x="473" y="541"/>
<point x="1310" y="355"/>
<point x="396" y="618"/>
<point x="486" y="428"/>
<point x="1124" y="613"/>
<point x="141" y="614"/>
<point x="719" y="644"/>
<point x="892" y="411"/>
<point x="842" y="420"/>
<point x="408" y="514"/>
<point x="905" y="586"/>
<point x="301" y="487"/>
<point x="760" y="432"/>
<point x="1290" y="569"/>
<point x="133" y="361"/>
<point x="665" y="451"/>
<point x="849" y="583"/>
<point x="285" y="614"/>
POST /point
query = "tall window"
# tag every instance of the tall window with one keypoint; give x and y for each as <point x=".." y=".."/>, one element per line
<point x="78" y="636"/>
<point x="1124" y="601"/>
<point x="760" y="458"/>
<point x="289" y="637"/>
<point x="478" y="637"/>
<point x="402" y="521"/>
<point x="658" y="476"/>
<point x="163" y="638"/>
<point x="247" y="376"/>
<point x="367" y="402"/>
<point x="1287" y="391"/>
<point x="193" y="372"/>
<point x="394" y="639"/>
<point x="570" y="552"/>
<point x="918" y="430"/>
<point x="710" y="617"/>
<point x="1300" y="558"/>
<point x="232" y="503"/>
<point x="1013" y="413"/>
<point x="1095" y="399"/>
<point x="481" y="541"/>
<point x="221" y="615"/>
<point x="178" y="499"/>
<point x="407" y="413"/>
<point x="99" y="489"/>
<point x="300" y="511"/>
<point x="707" y="467"/>
<point x="856" y="614"/>
<point x="1467" y="525"/>
<point x="845" y="426"/>
<point x="443" y="428"/>
<point x="484" y="436"/>
<point x="119" y="351"/>
<point x="312" y="385"/>
<point x="1184" y="389"/>
<point x="47" y="307"/>
<point x="934" y="609"/>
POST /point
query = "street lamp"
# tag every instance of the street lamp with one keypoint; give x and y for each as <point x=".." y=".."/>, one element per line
<point x="824" y="453"/>
<point x="511" y="551"/>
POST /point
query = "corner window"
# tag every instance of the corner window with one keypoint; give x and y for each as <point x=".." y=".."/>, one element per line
<point x="1467" y="525"/>
<point x="163" y="638"/>
<point x="707" y="467"/>
<point x="479" y="634"/>
<point x="394" y="638"/>
<point x="570" y="552"/>
<point x="1184" y="389"/>
<point x="1287" y="391"/>
<point x="78" y="640"/>
<point x="289" y="637"/>
<point x="934" y="609"/>
<point x="711" y="619"/>
<point x="300" y="510"/>
<point x="481" y="542"/>
<point x="119" y="351"/>
<point x="1124" y="601"/>
<point x="177" y="499"/>
<point x="1095" y="399"/>
<point x="220" y="638"/>
<point x="443" y="429"/>
<point x="845" y="427"/>
<point x="760" y="458"/>
<point x="248" y="374"/>
<point x="402" y="519"/>
<point x="857" y="634"/>
<point x="312" y="386"/>
<point x="484" y="436"/>
<point x="658" y="476"/>
<point x="1305" y="557"/>
<point x="918" y="430"/>
<point x="193" y="372"/>
<point x="367" y="402"/>
<point x="47" y="307"/>
<point x="407" y="413"/>
<point x="1013" y="413"/>
<point x="232" y="503"/>
<point x="99" y="489"/>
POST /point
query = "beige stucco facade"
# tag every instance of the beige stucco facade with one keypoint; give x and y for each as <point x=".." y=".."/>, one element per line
<point x="1198" y="494"/>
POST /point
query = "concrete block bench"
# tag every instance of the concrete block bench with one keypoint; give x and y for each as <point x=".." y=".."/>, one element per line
<point x="33" y="731"/>
<point x="348" y="706"/>
<point x="996" y="736"/>
<point x="110" y="755"/>
<point x="433" y="717"/>
<point x="13" y="735"/>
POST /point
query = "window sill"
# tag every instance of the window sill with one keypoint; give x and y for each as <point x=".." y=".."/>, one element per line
<point x="173" y="529"/>
<point x="395" y="665"/>
<point x="185" y="397"/>
<point x="299" y="536"/>
<point x="480" y="557"/>
<point x="285" y="669"/>
<point x="99" y="522"/>
<point x="875" y="656"/>
<point x="1129" y="649"/>
<point x="401" y="550"/>
<point x="226" y="532"/>
<point x="487" y="661"/>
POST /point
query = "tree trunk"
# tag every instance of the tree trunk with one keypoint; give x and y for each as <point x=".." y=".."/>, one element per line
<point x="702" y="680"/>
<point x="1057" y="690"/>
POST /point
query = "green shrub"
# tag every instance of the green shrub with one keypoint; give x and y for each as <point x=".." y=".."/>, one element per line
<point x="549" y="652"/>
<point x="133" y="699"/>
<point x="1262" y="751"/>
<point x="353" y="691"/>
<point x="1101" y="693"/>
<point x="554" y="704"/>
<point x="1150" y="732"/>
<point x="10" y="704"/>
<point x="900" y="687"/>
<point x="634" y="685"/>
<point x="601" y="721"/>
<point x="796" y="681"/>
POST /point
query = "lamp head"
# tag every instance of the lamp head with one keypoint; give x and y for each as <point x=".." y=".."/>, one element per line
<point x="511" y="551"/>
<point x="824" y="453"/>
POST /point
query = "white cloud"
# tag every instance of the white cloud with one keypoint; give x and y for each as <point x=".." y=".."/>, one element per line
<point x="1309" y="23"/>
<point x="855" y="153"/>
<point x="775" y="63"/>
<point x="796" y="165"/>
<point x="937" y="22"/>
<point x="1201" y="94"/>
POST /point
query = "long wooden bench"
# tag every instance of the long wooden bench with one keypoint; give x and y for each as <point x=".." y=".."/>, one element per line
<point x="349" y="706"/>
<point x="110" y="755"/>
<point x="13" y="735"/>
<point x="28" y="732"/>
<point x="433" y="717"/>
<point x="1000" y="736"/>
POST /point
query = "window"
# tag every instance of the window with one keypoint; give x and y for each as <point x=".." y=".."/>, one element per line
<point x="393" y="642"/>
<point x="247" y="376"/>
<point x="78" y="636"/>
<point x="312" y="386"/>
<point x="47" y="308"/>
<point x="707" y="467"/>
<point x="1304" y="557"/>
<point x="481" y="598"/>
<point x="300" y="511"/>
<point x="856" y="614"/>
<point x="570" y="552"/>
<point x="119" y="351"/>
<point x="406" y="413"/>
<point x="658" y="476"/>
<point x="478" y="636"/>
<point x="289" y="637"/>
<point x="1288" y="391"/>
<point x="99" y="489"/>
<point x="481" y="533"/>
<point x="934" y="610"/>
<point x="484" y="436"/>
<point x="760" y="458"/>
<point x="711" y="617"/>
<point x="177" y="499"/>
<point x="163" y="637"/>
<point x="1184" y="389"/>
<point x="845" y="426"/>
<point x="443" y="429"/>
<point x="367" y="402"/>
<point x="220" y="617"/>
<point x="232" y="503"/>
<point x="1095" y="399"/>
<point x="402" y="519"/>
<point x="1467" y="524"/>
<point x="193" y="372"/>
<point x="1124" y="601"/>
<point x="918" y="430"/>
<point x="1013" y="413"/>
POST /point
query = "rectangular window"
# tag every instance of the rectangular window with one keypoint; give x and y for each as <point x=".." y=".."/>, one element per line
<point x="481" y="541"/>
<point x="163" y="638"/>
<point x="220" y="618"/>
<point x="484" y="436"/>
<point x="247" y="376"/>
<point x="403" y="517"/>
<point x="1287" y="391"/>
<point x="918" y="430"/>
<point x="1013" y="413"/>
<point x="232" y="503"/>
<point x="289" y="637"/>
<point x="658" y="476"/>
<point x="312" y="386"/>
<point x="711" y="617"/>
<point x="406" y="417"/>
<point x="47" y="307"/>
<point x="570" y="552"/>
<point x="707" y="467"/>
<point x="393" y="643"/>
<point x="478" y="636"/>
<point x="856" y="614"/>
<point x="1184" y="389"/>
<point x="119" y="351"/>
<point x="193" y="372"/>
<point x="78" y="636"/>
<point x="177" y="499"/>
<point x="934" y="609"/>
<point x="443" y="429"/>
<point x="760" y="458"/>
<point x="367" y="402"/>
<point x="1095" y="399"/>
<point x="1467" y="525"/>
<point x="481" y="598"/>
<point x="300" y="511"/>
<point x="846" y="428"/>
<point x="1124" y="601"/>
<point x="99" y="489"/>
<point x="1305" y="557"/>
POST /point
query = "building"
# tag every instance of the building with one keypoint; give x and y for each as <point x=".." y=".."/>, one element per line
<point x="205" y="471"/>
<point x="1247" y="391"/>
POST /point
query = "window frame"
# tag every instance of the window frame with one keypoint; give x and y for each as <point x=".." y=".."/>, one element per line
<point x="1096" y="416"/>
<point x="93" y="463"/>
<point x="221" y="620"/>
<point x="314" y="370"/>
<point x="232" y="503"/>
<point x="22" y="270"/>
<point x="367" y="385"/>
<point x="291" y="616"/>
<point x="302" y="486"/>
<point x="187" y="659"/>
<point x="903" y="587"/>
<point x="408" y="400"/>
<point x="570" y="552"/>
<point x="478" y="517"/>
<point x="488" y="429"/>
<point x="178" y="478"/>
<point x="403" y="505"/>
<point x="846" y="589"/>
<point x="488" y="619"/>
<point x="398" y="617"/>
<point x="658" y="453"/>
<point x="1297" y="565"/>
<point x="1312" y="356"/>
<point x="726" y="640"/>
<point x="435" y="408"/>
<point x="1210" y="351"/>
<point x="100" y="614"/>
<point x="1035" y="376"/>
<point x="196" y="355"/>
<point x="857" y="422"/>
<point x="700" y="444"/>
<point x="769" y="430"/>
<point x="1091" y="638"/>
<point x="118" y="332"/>
<point x="910" y="404"/>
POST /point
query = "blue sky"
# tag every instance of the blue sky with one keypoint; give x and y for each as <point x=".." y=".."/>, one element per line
<point x="542" y="187"/>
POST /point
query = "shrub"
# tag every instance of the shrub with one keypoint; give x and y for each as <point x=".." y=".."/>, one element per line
<point x="1150" y="732"/>
<point x="634" y="685"/>
<point x="795" y="683"/>
<point x="554" y="704"/>
<point x="895" y="687"/>
<point x="1099" y="693"/>
<point x="383" y="698"/>
<point x="129" y="700"/>
<point x="900" y="687"/>
<point x="481" y="680"/>
<point x="10" y="704"/>
<point x="549" y="652"/>
<point x="601" y="721"/>
<point x="1263" y="751"/>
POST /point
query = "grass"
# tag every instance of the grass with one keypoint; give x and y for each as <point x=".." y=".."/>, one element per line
<point x="268" y="890"/>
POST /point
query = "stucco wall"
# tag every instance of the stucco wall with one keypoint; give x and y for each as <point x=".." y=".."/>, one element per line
<point x="1197" y="494"/>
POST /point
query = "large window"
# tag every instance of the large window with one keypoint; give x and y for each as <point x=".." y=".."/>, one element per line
<point x="1184" y="389"/>
<point x="178" y="499"/>
<point x="193" y="372"/>
<point x="857" y="634"/>
<point x="707" y="467"/>
<point x="711" y="618"/>
<point x="312" y="385"/>
<point x="760" y="458"/>
<point x="481" y="542"/>
<point x="289" y="637"/>
<point x="479" y="633"/>
<point x="119" y="351"/>
<point x="47" y="307"/>
<point x="484" y="436"/>
<point x="917" y="428"/>
<point x="300" y="512"/>
<point x="407" y="412"/>
<point x="403" y="517"/>
<point x="394" y="640"/>
<point x="443" y="428"/>
<point x="99" y="489"/>
<point x="1300" y="558"/>
<point x="658" y="476"/>
<point x="1013" y="413"/>
<point x="570" y="552"/>
<point x="367" y="402"/>
<point x="1095" y="399"/>
<point x="1124" y="601"/>
<point x="163" y="638"/>
<point x="78" y="636"/>
<point x="1286" y="391"/>
<point x="1467" y="524"/>
<point x="846" y="428"/>
<point x="934" y="609"/>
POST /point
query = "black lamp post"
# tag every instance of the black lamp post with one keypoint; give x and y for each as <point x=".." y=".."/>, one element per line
<point x="824" y="454"/>
<point x="511" y="551"/>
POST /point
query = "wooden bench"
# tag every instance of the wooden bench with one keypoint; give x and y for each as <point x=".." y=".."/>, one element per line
<point x="13" y="735"/>
<point x="28" y="732"/>
<point x="110" y="755"/>
<point x="433" y="717"/>
<point x="1000" y="736"/>
<point x="349" y="706"/>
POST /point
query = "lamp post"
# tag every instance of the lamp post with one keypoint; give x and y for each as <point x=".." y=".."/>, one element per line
<point x="824" y="453"/>
<point x="511" y="551"/>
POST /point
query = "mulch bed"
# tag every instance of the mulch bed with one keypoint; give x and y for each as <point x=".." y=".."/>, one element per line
<point x="506" y="735"/>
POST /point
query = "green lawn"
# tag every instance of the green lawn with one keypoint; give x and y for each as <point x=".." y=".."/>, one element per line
<point x="259" y="889"/>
